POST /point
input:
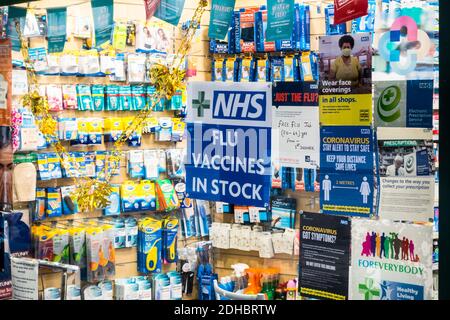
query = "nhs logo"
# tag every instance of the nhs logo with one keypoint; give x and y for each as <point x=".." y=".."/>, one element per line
<point x="239" y="105"/>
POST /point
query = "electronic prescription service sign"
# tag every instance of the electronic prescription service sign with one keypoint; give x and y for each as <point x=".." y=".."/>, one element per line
<point x="229" y="142"/>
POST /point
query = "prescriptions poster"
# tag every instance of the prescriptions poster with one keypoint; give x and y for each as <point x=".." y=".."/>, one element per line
<point x="229" y="127"/>
<point x="324" y="256"/>
<point x="295" y="128"/>
<point x="346" y="173"/>
<point x="345" y="79"/>
<point x="406" y="168"/>
<point x="391" y="261"/>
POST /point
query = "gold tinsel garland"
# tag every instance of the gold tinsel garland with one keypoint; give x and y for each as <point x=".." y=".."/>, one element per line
<point x="91" y="193"/>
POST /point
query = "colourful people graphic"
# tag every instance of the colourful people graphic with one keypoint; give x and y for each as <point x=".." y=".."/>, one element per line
<point x="391" y="244"/>
<point x="378" y="244"/>
<point x="373" y="244"/>
<point x="397" y="245"/>
<point x="366" y="246"/>
<point x="383" y="245"/>
<point x="411" y="250"/>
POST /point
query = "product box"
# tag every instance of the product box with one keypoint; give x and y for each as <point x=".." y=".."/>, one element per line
<point x="69" y="206"/>
<point x="113" y="208"/>
<point x="283" y="212"/>
<point x="260" y="32"/>
<point x="53" y="204"/>
<point x="245" y="38"/>
<point x="147" y="195"/>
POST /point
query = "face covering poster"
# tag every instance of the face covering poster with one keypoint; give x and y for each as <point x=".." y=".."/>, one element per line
<point x="391" y="261"/>
<point x="324" y="256"/>
<point x="345" y="79"/>
<point x="406" y="169"/>
<point x="229" y="142"/>
<point x="346" y="173"/>
<point x="296" y="134"/>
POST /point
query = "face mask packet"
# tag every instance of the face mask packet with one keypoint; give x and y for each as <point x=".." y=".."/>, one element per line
<point x="54" y="97"/>
<point x="38" y="59"/>
<point x="112" y="97"/>
<point x="69" y="92"/>
<point x="119" y="68"/>
<point x="53" y="65"/>
<point x="88" y="64"/>
<point x="98" y="97"/>
<point x="125" y="100"/>
<point x="69" y="64"/>
<point x="84" y="97"/>
<point x="107" y="63"/>
<point x="136" y="68"/>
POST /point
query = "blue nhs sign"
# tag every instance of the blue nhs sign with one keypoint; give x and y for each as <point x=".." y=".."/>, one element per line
<point x="239" y="105"/>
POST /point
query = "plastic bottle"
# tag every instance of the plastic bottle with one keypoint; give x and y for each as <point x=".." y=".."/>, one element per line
<point x="291" y="290"/>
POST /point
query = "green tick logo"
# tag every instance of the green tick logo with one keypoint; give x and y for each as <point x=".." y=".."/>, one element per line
<point x="409" y="164"/>
<point x="201" y="104"/>
<point x="387" y="104"/>
<point x="368" y="290"/>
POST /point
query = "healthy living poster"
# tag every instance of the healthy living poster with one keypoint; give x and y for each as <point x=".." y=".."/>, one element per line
<point x="324" y="256"/>
<point x="229" y="142"/>
<point x="404" y="103"/>
<point x="345" y="79"/>
<point x="390" y="261"/>
<point x="406" y="169"/>
<point x="295" y="129"/>
<point x="346" y="173"/>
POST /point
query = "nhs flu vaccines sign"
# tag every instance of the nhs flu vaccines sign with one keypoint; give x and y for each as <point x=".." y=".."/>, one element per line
<point x="229" y="142"/>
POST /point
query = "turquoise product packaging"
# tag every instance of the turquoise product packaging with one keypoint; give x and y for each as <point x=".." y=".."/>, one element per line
<point x="160" y="106"/>
<point x="53" y="203"/>
<point x="176" y="103"/>
<point x="119" y="233"/>
<point x="98" y="97"/>
<point x="125" y="100"/>
<point x="139" y="96"/>
<point x="131" y="232"/>
<point x="280" y="19"/>
<point x="220" y="18"/>
<point x="112" y="97"/>
<point x="283" y="212"/>
<point x="84" y="97"/>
